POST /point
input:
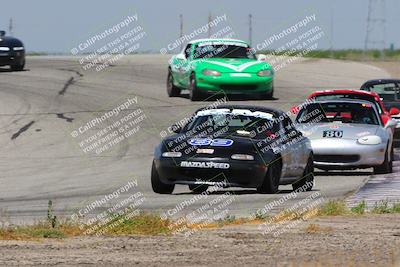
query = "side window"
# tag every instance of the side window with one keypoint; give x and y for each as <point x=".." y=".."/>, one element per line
<point x="187" y="50"/>
<point x="290" y="129"/>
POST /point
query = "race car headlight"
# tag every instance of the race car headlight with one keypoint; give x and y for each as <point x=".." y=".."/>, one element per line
<point x="172" y="154"/>
<point x="4" y="49"/>
<point x="242" y="157"/>
<point x="18" y="48"/>
<point x="369" y="140"/>
<point x="208" y="72"/>
<point x="264" y="73"/>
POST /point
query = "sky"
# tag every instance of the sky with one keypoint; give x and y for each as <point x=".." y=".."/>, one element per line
<point x="59" y="26"/>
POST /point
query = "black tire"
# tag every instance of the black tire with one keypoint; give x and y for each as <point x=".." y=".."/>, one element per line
<point x="194" y="92"/>
<point x="271" y="181"/>
<point x="387" y="165"/>
<point x="18" y="67"/>
<point x="198" y="188"/>
<point x="307" y="177"/>
<point x="172" y="90"/>
<point x="269" y="95"/>
<point x="157" y="185"/>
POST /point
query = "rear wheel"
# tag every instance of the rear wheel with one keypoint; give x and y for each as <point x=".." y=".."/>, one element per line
<point x="271" y="181"/>
<point x="172" y="90"/>
<point x="157" y="185"/>
<point x="198" y="188"/>
<point x="387" y="165"/>
<point x="306" y="182"/>
<point x="194" y="91"/>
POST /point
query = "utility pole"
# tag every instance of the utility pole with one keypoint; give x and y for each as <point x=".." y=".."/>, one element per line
<point x="376" y="26"/>
<point x="250" y="29"/>
<point x="181" y="29"/>
<point x="209" y="23"/>
<point x="10" y="27"/>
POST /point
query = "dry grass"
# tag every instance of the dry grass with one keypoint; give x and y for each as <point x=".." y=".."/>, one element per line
<point x="152" y="224"/>
<point x="315" y="228"/>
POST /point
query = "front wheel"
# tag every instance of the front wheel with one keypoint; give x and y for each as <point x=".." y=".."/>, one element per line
<point x="271" y="181"/>
<point x="194" y="91"/>
<point x="306" y="182"/>
<point x="18" y="67"/>
<point x="387" y="165"/>
<point x="269" y="95"/>
<point x="172" y="90"/>
<point x="157" y="185"/>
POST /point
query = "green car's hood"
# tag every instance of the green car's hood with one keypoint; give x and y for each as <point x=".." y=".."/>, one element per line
<point x="231" y="65"/>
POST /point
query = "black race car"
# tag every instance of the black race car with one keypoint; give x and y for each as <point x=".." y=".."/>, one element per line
<point x="234" y="146"/>
<point x="12" y="52"/>
<point x="389" y="91"/>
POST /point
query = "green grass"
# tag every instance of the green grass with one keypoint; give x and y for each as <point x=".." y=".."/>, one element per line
<point x="360" y="208"/>
<point x="383" y="207"/>
<point x="151" y="224"/>
<point x="334" y="208"/>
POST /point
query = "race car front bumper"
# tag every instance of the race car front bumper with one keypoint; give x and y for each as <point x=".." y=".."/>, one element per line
<point x="209" y="171"/>
<point x="235" y="83"/>
<point x="346" y="154"/>
<point x="12" y="58"/>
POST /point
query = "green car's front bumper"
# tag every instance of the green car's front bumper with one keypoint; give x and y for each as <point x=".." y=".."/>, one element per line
<point x="235" y="83"/>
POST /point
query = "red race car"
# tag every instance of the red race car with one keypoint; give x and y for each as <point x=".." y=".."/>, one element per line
<point x="355" y="94"/>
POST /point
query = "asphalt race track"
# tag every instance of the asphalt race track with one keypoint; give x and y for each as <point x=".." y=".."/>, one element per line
<point x="40" y="160"/>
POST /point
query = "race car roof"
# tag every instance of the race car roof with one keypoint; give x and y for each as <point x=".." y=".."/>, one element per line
<point x="379" y="81"/>
<point x="342" y="91"/>
<point x="216" y="40"/>
<point x="254" y="109"/>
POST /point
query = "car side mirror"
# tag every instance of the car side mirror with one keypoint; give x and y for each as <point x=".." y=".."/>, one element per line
<point x="180" y="57"/>
<point x="391" y="124"/>
<point x="2" y="33"/>
<point x="176" y="128"/>
<point x="261" y="57"/>
<point x="394" y="111"/>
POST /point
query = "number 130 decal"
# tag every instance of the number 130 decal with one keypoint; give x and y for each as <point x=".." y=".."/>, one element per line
<point x="332" y="134"/>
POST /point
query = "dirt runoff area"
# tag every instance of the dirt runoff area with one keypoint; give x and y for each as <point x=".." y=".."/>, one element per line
<point x="369" y="240"/>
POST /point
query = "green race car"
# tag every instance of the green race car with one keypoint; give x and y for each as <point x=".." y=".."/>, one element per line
<point x="211" y="66"/>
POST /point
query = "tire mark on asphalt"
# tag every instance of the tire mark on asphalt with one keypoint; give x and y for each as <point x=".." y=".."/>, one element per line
<point x="21" y="130"/>
<point x="62" y="116"/>
<point x="72" y="70"/>
<point x="66" y="85"/>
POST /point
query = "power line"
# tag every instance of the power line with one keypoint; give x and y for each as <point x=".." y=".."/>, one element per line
<point x="250" y="29"/>
<point x="181" y="28"/>
<point x="10" y="27"/>
<point x="209" y="23"/>
<point x="375" y="37"/>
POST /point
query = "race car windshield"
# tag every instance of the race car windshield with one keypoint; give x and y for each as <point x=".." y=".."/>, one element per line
<point x="387" y="91"/>
<point x="222" y="124"/>
<point x="222" y="51"/>
<point x="358" y="113"/>
<point x="349" y="96"/>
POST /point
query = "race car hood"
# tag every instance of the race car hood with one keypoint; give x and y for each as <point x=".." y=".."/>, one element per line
<point x="228" y="65"/>
<point x="348" y="130"/>
<point x="222" y="146"/>
<point x="10" y="41"/>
